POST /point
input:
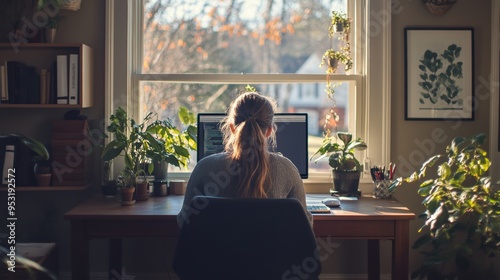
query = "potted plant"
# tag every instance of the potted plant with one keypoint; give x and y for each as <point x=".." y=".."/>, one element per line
<point x="461" y="232"/>
<point x="127" y="181"/>
<point x="143" y="144"/>
<point x="346" y="169"/>
<point x="332" y="58"/>
<point x="51" y="9"/>
<point x="131" y="142"/>
<point x="171" y="145"/>
<point x="108" y="187"/>
<point x="339" y="23"/>
<point x="39" y="158"/>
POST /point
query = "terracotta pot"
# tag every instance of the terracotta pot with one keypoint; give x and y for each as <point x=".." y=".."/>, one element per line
<point x="160" y="188"/>
<point x="127" y="195"/>
<point x="43" y="179"/>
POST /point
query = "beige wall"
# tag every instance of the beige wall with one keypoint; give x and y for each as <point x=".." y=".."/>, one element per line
<point x="407" y="136"/>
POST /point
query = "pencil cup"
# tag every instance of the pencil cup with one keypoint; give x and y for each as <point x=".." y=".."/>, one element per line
<point x="382" y="189"/>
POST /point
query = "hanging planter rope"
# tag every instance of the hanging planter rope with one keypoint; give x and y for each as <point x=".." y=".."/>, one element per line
<point x="72" y="5"/>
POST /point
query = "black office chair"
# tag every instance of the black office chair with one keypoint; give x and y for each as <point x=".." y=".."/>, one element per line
<point x="243" y="239"/>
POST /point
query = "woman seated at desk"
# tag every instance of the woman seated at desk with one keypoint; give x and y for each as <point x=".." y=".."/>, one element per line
<point x="246" y="169"/>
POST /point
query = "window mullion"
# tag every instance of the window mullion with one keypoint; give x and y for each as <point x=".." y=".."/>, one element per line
<point x="245" y="78"/>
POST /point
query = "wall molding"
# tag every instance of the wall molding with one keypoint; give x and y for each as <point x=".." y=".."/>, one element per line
<point x="494" y="88"/>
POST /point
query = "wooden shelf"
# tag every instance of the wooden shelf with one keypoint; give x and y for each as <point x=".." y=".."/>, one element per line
<point x="47" y="106"/>
<point x="42" y="55"/>
<point x="48" y="188"/>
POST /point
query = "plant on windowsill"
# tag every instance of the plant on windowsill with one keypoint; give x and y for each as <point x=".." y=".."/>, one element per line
<point x="171" y="145"/>
<point x="461" y="233"/>
<point x="346" y="168"/>
<point x="143" y="144"/>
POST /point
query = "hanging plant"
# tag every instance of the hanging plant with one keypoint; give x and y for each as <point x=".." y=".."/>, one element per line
<point x="339" y="23"/>
<point x="332" y="58"/>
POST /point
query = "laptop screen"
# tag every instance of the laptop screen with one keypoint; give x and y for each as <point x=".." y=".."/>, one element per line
<point x="291" y="137"/>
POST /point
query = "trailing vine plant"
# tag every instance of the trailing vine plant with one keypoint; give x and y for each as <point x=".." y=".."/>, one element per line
<point x="339" y="23"/>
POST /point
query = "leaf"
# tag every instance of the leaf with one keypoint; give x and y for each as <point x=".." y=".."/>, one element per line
<point x="479" y="139"/>
<point x="345" y="137"/>
<point x="35" y="145"/>
<point x="129" y="163"/>
<point x="425" y="188"/>
<point x="356" y="145"/>
<point x="421" y="241"/>
<point x="444" y="171"/>
<point x="181" y="151"/>
<point x="185" y="116"/>
<point x="151" y="168"/>
<point x="112" y="150"/>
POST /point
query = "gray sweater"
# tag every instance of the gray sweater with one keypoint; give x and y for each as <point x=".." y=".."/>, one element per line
<point x="212" y="174"/>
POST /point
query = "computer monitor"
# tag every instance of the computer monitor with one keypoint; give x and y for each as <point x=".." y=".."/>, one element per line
<point x="291" y="137"/>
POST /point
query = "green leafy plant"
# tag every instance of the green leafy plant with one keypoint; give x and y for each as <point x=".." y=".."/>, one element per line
<point x="331" y="55"/>
<point x="169" y="143"/>
<point x="461" y="233"/>
<point x="341" y="155"/>
<point x="438" y="84"/>
<point x="41" y="152"/>
<point x="339" y="21"/>
<point x="52" y="6"/>
<point x="152" y="139"/>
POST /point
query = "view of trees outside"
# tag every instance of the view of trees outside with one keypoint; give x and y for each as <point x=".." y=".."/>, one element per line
<point x="238" y="36"/>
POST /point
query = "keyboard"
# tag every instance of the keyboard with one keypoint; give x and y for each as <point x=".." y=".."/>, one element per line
<point x="318" y="208"/>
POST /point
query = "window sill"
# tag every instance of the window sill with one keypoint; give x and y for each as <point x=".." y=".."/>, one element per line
<point x="315" y="184"/>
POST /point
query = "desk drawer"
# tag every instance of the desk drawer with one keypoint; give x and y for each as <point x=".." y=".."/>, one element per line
<point x="354" y="229"/>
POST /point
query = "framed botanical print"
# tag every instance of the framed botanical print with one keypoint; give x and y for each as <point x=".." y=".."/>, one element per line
<point x="439" y="73"/>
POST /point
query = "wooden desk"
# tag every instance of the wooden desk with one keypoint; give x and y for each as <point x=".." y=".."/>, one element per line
<point x="368" y="218"/>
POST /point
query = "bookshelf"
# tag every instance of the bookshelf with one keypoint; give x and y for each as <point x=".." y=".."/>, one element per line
<point x="41" y="56"/>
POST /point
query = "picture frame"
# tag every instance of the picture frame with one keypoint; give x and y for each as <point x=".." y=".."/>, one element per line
<point x="439" y="73"/>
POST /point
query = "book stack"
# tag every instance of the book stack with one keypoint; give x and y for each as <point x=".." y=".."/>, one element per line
<point x="24" y="84"/>
<point x="70" y="153"/>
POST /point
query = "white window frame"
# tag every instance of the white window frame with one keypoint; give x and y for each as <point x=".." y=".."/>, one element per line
<point x="123" y="74"/>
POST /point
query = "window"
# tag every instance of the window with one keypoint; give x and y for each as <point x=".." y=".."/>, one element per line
<point x="200" y="55"/>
